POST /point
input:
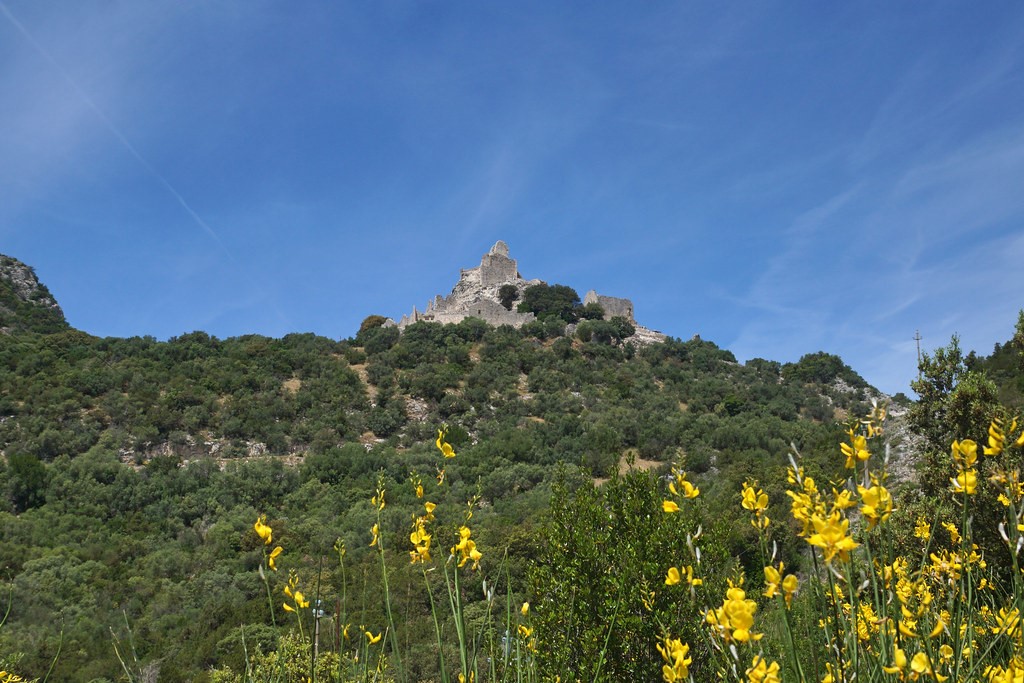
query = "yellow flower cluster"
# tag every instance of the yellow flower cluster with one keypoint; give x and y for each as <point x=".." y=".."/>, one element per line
<point x="925" y="624"/>
<point x="293" y="592"/>
<point x="826" y="525"/>
<point x="863" y="621"/>
<point x="806" y="502"/>
<point x="272" y="557"/>
<point x="734" y="620"/>
<point x="756" y="500"/>
<point x="945" y="566"/>
<point x="265" y="533"/>
<point x="525" y="631"/>
<point x="761" y="671"/>
<point x="920" y="667"/>
<point x="875" y="419"/>
<point x="867" y="622"/>
<point x="677" y="660"/>
<point x="832" y="535"/>
<point x="466" y="548"/>
<point x="417" y="484"/>
<point x="421" y="543"/>
<point x="965" y="455"/>
<point x="916" y="598"/>
<point x="263" y="530"/>
<point x="681" y="487"/>
<point x="442" y="445"/>
<point x="1013" y="487"/>
<point x="1008" y="623"/>
<point x="856" y="450"/>
<point x="1013" y="673"/>
<point x="419" y="537"/>
<point x="377" y="501"/>
<point x="678" y="575"/>
<point x="876" y="504"/>
<point x="773" y="581"/>
<point x="922" y="529"/>
<point x="997" y="437"/>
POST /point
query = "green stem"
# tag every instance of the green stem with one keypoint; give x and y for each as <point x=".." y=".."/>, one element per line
<point x="393" y="640"/>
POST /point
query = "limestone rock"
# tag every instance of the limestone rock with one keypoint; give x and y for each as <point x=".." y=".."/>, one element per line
<point x="26" y="305"/>
<point x="476" y="294"/>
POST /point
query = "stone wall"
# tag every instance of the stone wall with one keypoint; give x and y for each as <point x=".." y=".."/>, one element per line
<point x="613" y="306"/>
<point x="497" y="268"/>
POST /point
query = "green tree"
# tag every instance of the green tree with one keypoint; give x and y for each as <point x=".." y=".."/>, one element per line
<point x="379" y="339"/>
<point x="370" y="322"/>
<point x="507" y="294"/>
<point x="600" y="579"/>
<point x="26" y="481"/>
<point x="821" y="368"/>
<point x="591" y="311"/>
<point x="545" y="301"/>
<point x="953" y="402"/>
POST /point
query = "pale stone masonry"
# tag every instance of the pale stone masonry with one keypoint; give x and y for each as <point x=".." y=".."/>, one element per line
<point x="613" y="306"/>
<point x="475" y="295"/>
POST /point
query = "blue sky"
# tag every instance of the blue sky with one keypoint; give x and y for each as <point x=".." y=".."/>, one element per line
<point x="778" y="177"/>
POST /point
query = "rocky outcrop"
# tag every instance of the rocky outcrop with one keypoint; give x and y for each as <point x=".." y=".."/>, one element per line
<point x="476" y="294"/>
<point x="26" y="305"/>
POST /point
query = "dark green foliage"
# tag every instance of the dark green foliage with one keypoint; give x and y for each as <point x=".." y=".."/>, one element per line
<point x="26" y="481"/>
<point x="1005" y="367"/>
<point x="547" y="301"/>
<point x="138" y="467"/>
<point x="385" y="420"/>
<point x="957" y="402"/>
<point x="334" y="465"/>
<point x="605" y="331"/>
<point x="377" y="339"/>
<point x="603" y="554"/>
<point x="507" y="294"/>
<point x="135" y="469"/>
<point x="953" y="402"/>
<point x="591" y="312"/>
<point x="821" y="368"/>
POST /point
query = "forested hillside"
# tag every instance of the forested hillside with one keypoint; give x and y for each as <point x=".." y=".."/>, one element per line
<point x="134" y="470"/>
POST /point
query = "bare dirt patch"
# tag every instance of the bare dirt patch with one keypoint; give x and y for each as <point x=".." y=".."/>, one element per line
<point x="371" y="390"/>
<point x="625" y="467"/>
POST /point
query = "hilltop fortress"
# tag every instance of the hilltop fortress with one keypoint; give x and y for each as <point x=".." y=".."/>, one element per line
<point x="476" y="295"/>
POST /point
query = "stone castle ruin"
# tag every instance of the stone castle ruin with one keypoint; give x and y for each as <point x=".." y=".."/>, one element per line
<point x="475" y="295"/>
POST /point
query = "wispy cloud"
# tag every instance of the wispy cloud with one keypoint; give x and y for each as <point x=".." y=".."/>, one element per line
<point x="71" y="126"/>
<point x="112" y="128"/>
<point x="934" y="249"/>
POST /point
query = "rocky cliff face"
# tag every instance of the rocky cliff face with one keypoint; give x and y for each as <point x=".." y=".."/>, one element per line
<point x="26" y="305"/>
